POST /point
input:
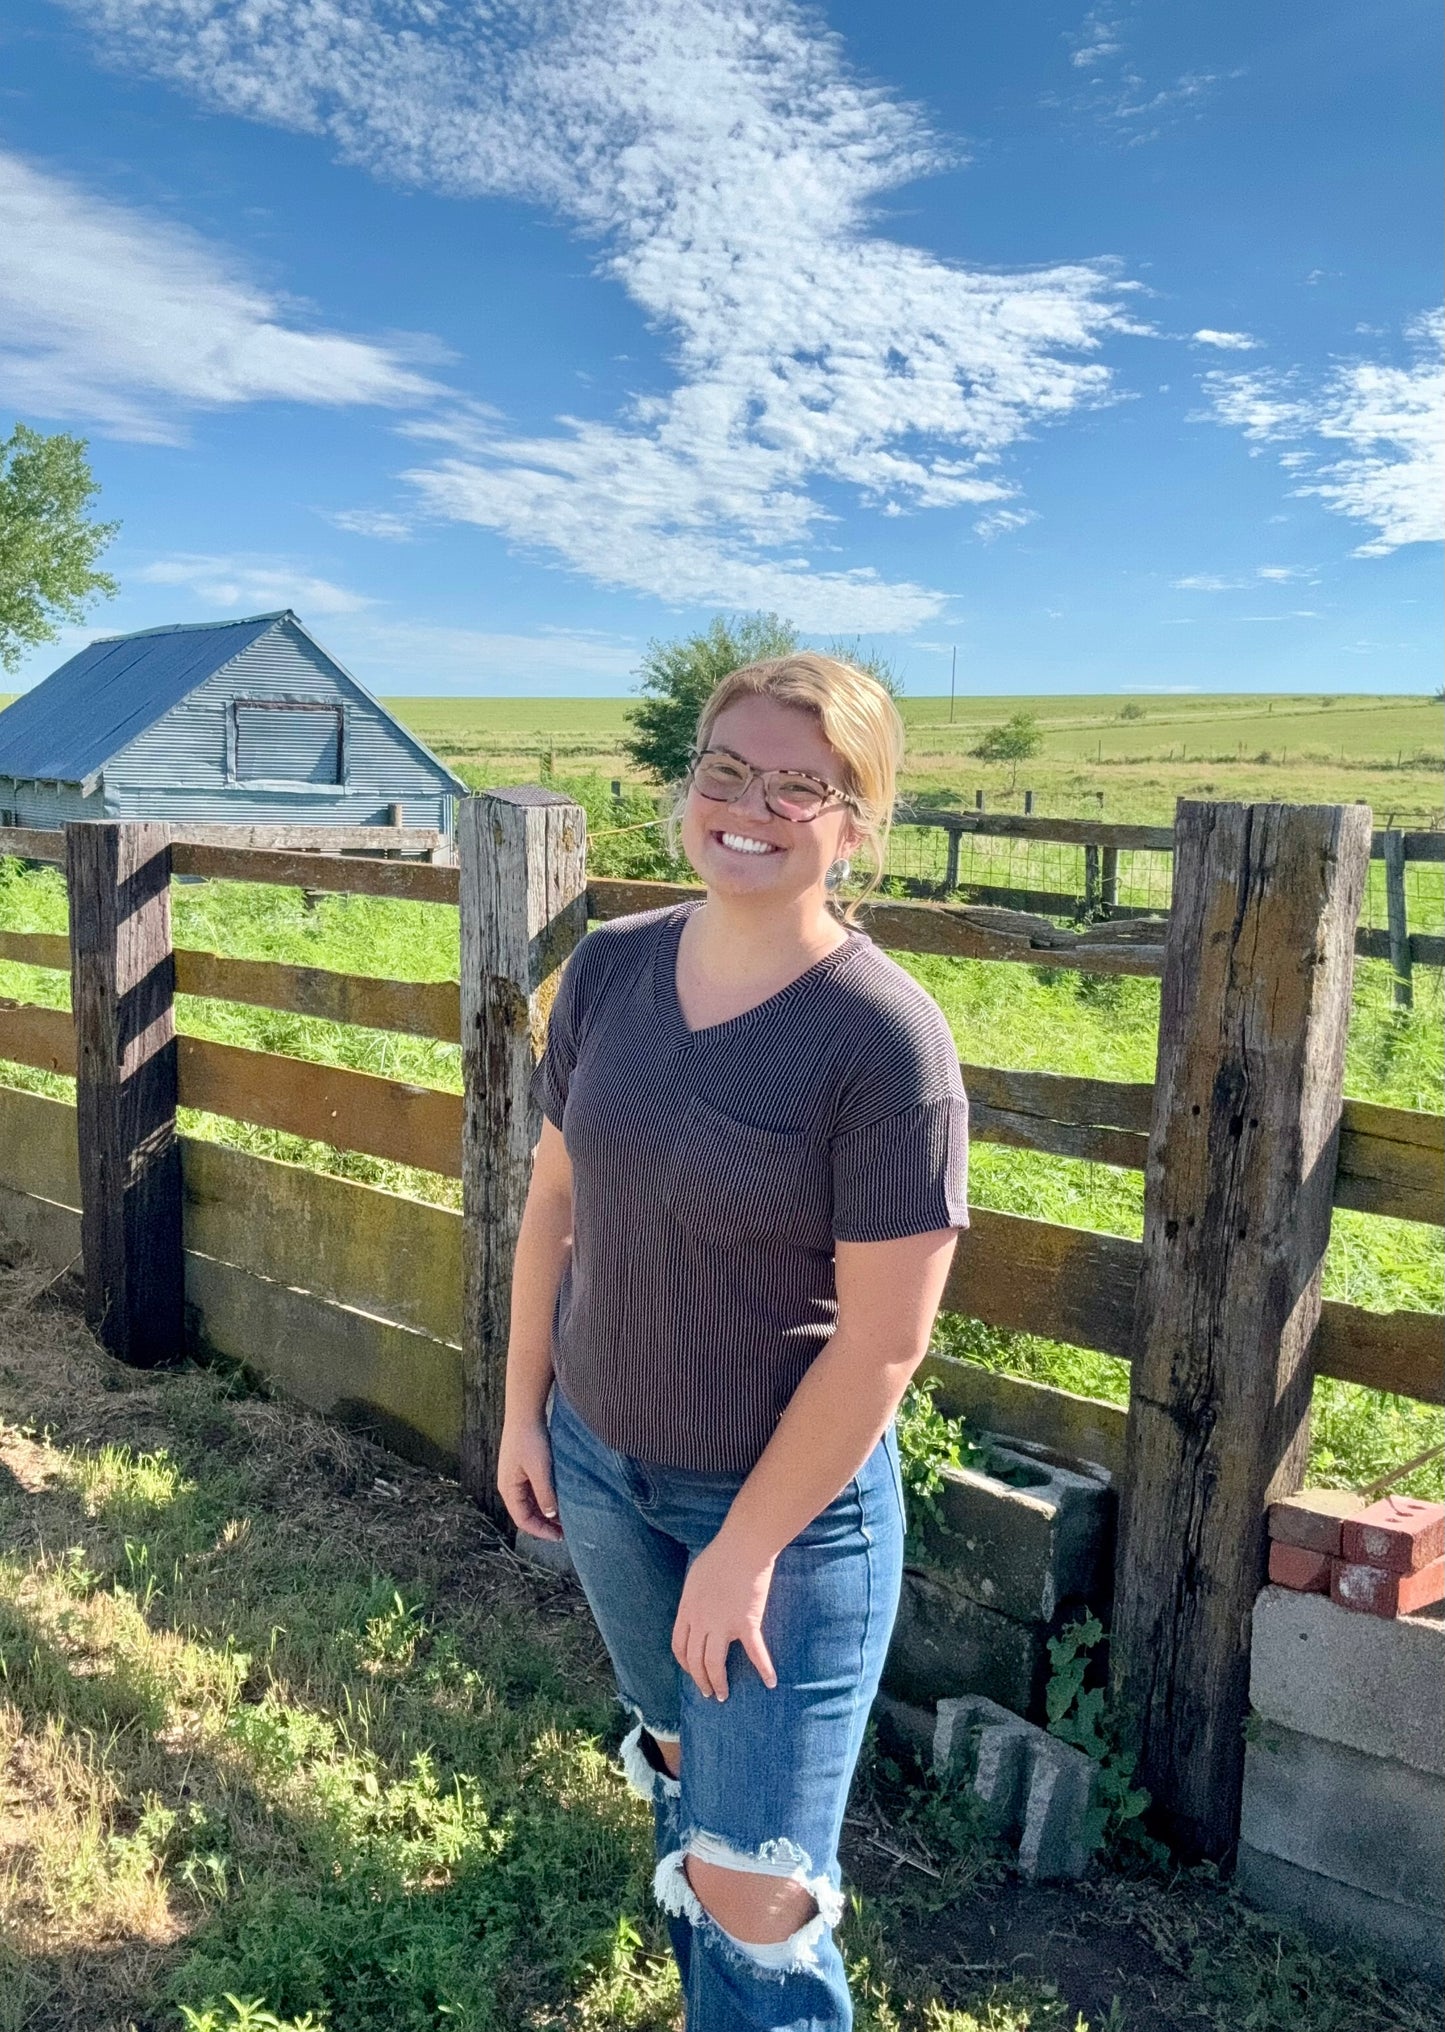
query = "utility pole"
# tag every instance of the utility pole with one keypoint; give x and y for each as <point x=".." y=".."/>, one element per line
<point x="952" y="682"/>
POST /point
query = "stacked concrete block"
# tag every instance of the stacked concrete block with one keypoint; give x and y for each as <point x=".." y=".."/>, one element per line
<point x="1343" y="1820"/>
<point x="1013" y="1557"/>
<point x="1036" y="1791"/>
<point x="1387" y="1559"/>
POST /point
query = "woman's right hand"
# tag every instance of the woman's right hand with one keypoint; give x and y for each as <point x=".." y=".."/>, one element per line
<point x="524" y="1477"/>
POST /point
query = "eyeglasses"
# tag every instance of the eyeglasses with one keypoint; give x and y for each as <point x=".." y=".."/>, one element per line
<point x="723" y="777"/>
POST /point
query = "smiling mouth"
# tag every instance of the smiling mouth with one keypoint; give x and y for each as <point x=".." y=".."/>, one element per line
<point x="741" y="843"/>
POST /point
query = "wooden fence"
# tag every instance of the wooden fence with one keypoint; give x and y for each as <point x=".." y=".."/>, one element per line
<point x="371" y="1304"/>
<point x="1098" y="895"/>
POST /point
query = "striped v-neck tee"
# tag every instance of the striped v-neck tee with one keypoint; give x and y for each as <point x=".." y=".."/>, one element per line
<point x="715" y="1169"/>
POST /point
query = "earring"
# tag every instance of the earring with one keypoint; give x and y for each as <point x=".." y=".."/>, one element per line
<point x="837" y="875"/>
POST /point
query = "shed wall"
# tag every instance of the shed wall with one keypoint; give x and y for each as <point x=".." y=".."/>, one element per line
<point x="45" y="805"/>
<point x="183" y="766"/>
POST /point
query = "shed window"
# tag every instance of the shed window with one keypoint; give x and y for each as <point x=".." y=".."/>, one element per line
<point x="286" y="742"/>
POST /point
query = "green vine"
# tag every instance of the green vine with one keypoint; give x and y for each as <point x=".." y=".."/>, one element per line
<point x="1080" y="1712"/>
<point x="928" y="1442"/>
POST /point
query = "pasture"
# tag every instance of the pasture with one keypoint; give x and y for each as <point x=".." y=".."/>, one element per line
<point x="1142" y="752"/>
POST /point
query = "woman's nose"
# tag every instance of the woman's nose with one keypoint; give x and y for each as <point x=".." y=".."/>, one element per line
<point x="752" y="800"/>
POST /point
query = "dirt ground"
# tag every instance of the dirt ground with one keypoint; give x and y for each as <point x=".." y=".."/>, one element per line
<point x="954" y="1942"/>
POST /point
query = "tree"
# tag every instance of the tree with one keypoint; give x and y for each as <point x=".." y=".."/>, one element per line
<point x="676" y="679"/>
<point x="1012" y="740"/>
<point x="876" y="665"/>
<point x="48" y="544"/>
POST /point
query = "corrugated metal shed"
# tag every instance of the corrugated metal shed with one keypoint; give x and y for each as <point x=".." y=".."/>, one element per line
<point x="249" y="720"/>
<point x="72" y="723"/>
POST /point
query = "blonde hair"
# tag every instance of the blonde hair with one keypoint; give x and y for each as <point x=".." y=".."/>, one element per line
<point x="860" y="723"/>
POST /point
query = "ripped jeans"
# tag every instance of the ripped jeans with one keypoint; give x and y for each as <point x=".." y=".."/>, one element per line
<point x="765" y="1773"/>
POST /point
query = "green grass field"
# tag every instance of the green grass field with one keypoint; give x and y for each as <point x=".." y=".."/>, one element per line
<point x="1301" y="749"/>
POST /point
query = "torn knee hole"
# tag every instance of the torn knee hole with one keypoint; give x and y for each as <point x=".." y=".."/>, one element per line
<point x="770" y="1906"/>
<point x="748" y="1904"/>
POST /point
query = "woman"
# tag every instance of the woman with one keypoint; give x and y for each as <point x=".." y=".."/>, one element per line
<point x="745" y="1199"/>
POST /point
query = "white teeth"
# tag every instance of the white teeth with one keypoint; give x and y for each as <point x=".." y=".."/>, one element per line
<point x="740" y="844"/>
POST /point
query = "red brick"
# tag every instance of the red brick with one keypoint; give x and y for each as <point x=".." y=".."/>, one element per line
<point x="1376" y="1592"/>
<point x="1295" y="1566"/>
<point x="1313" y="1519"/>
<point x="1400" y="1533"/>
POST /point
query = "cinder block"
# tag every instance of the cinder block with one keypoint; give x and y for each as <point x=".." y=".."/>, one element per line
<point x="1377" y="1687"/>
<point x="1365" y="1821"/>
<point x="946" y="1644"/>
<point x="1292" y="1566"/>
<point x="1023" y="1550"/>
<point x="1373" y="1591"/>
<point x="1338" y="1915"/>
<point x="1313" y="1519"/>
<point x="1053" y="1845"/>
<point x="1400" y="1533"/>
<point x="995" y="1747"/>
<point x="1037" y="1791"/>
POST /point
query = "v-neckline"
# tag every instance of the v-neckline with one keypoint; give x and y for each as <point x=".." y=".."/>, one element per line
<point x="665" y="978"/>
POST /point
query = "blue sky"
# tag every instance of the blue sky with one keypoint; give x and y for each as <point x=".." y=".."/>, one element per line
<point x="1102" y="343"/>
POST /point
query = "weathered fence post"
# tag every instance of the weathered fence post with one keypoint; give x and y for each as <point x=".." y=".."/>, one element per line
<point x="950" y="873"/>
<point x="1397" y="918"/>
<point x="122" y="989"/>
<point x="523" y="887"/>
<point x="1091" y="880"/>
<point x="1109" y="887"/>
<point x="1238" y="1183"/>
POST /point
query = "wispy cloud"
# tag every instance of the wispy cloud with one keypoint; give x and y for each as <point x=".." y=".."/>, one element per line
<point x="125" y="322"/>
<point x="1002" y="522"/>
<point x="420" y="658"/>
<point x="1098" y="39"/>
<point x="1263" y="574"/>
<point x="726" y="161"/>
<point x="1115" y="93"/>
<point x="1226" y="342"/>
<point x="1389" y="420"/>
<point x="246" y="581"/>
<point x="379" y="523"/>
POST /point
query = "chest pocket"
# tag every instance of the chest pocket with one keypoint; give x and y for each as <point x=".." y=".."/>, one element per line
<point x="734" y="1182"/>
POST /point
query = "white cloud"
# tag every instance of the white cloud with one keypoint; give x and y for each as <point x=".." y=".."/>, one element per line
<point x="1002" y="521"/>
<point x="1390" y="422"/>
<point x="1226" y="342"/>
<point x="1115" y="94"/>
<point x="379" y="523"/>
<point x="260" y="582"/>
<point x="1098" y="39"/>
<point x="125" y="322"/>
<point x="1269" y="574"/>
<point x="418" y="657"/>
<point x="726" y="160"/>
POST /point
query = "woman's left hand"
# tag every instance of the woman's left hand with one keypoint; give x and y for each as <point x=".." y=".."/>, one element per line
<point x="723" y="1599"/>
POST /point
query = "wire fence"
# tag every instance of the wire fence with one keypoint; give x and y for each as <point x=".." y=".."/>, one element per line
<point x="1049" y="877"/>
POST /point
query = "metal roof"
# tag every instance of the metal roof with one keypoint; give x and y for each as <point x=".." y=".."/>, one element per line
<point x="77" y="718"/>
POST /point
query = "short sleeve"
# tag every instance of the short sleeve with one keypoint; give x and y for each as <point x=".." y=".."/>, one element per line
<point x="904" y="1174"/>
<point x="899" y="1137"/>
<point x="553" y="1071"/>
